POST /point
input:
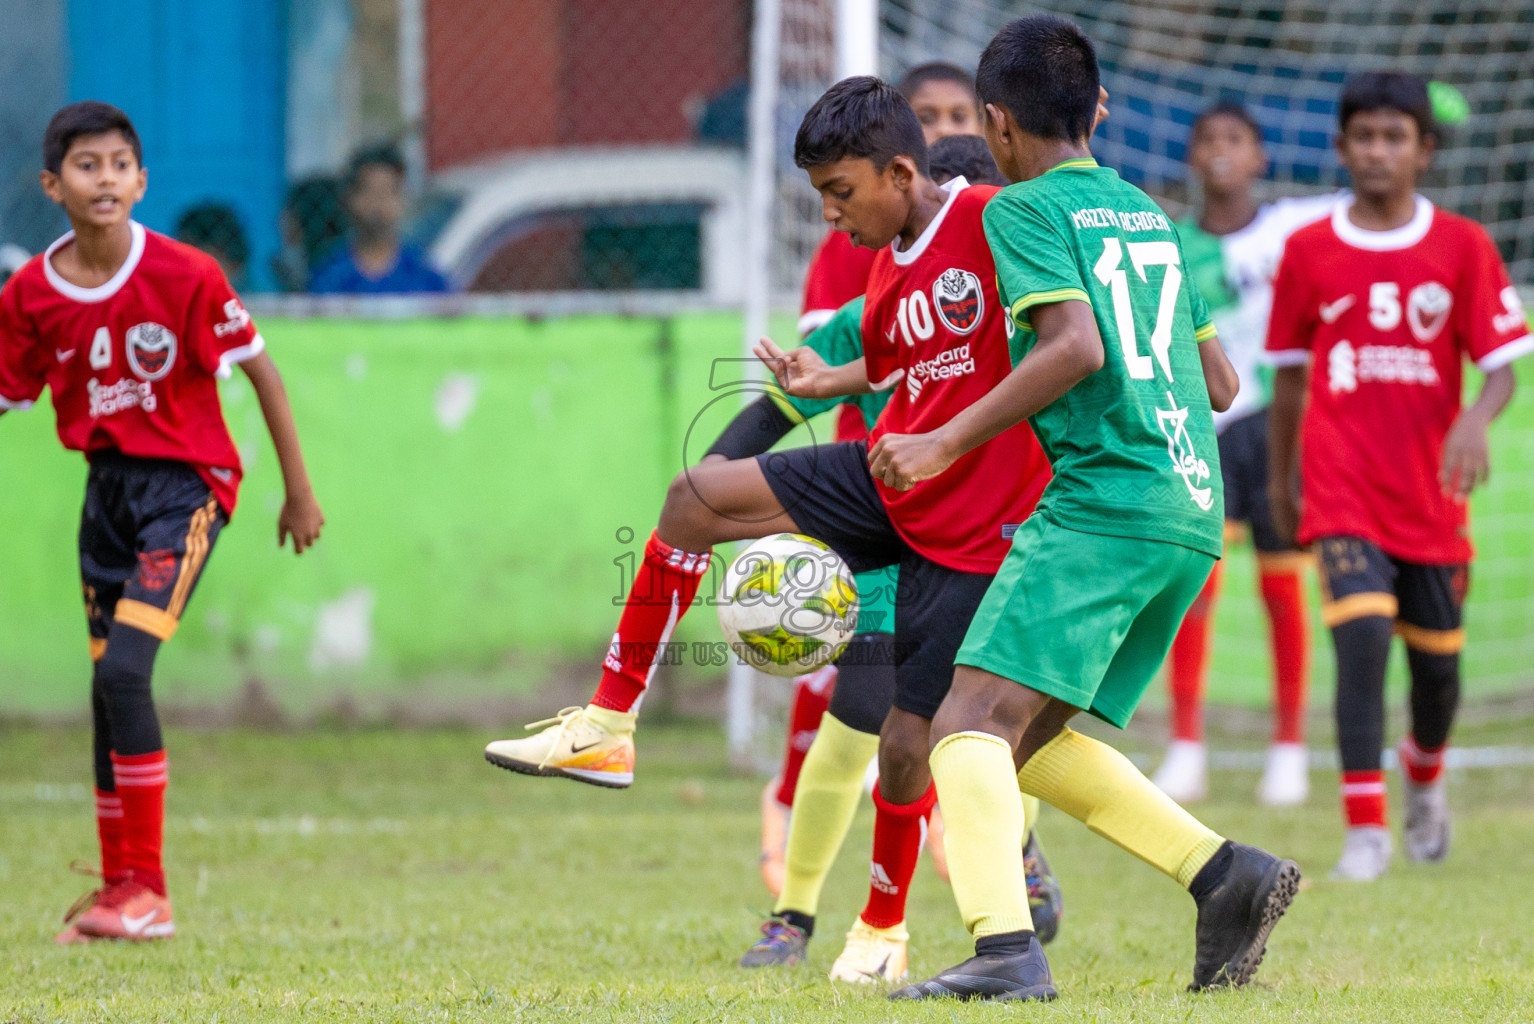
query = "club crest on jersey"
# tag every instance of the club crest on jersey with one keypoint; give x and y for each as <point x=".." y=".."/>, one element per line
<point x="1427" y="310"/>
<point x="959" y="300"/>
<point x="151" y="350"/>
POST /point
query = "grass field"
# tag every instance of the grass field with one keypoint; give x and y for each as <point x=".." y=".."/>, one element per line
<point x="391" y="876"/>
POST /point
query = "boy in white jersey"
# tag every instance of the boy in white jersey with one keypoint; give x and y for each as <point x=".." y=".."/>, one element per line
<point x="1232" y="247"/>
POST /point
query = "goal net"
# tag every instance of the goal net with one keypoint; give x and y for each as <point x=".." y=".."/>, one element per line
<point x="1165" y="62"/>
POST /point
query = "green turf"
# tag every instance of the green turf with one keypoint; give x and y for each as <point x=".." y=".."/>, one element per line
<point x="386" y="876"/>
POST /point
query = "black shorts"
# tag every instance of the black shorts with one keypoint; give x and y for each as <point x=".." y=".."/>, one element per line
<point x="1244" y="469"/>
<point x="830" y="494"/>
<point x="1426" y="601"/>
<point x="145" y="534"/>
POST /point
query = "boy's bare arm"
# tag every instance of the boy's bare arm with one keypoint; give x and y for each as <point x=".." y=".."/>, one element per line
<point x="802" y="373"/>
<point x="301" y="516"/>
<point x="1069" y="349"/>
<point x="1283" y="447"/>
<point x="1219" y="376"/>
<point x="1466" y="455"/>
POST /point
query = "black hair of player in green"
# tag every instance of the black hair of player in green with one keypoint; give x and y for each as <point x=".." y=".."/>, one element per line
<point x="1388" y="90"/>
<point x="82" y="120"/>
<point x="965" y="156"/>
<point x="860" y="117"/>
<point x="1232" y="110"/>
<point x="1043" y="71"/>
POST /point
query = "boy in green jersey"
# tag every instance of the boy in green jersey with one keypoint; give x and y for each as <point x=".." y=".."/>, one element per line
<point x="1117" y="366"/>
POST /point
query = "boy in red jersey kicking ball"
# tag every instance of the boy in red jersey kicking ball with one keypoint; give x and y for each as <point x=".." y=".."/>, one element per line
<point x="1380" y="304"/>
<point x="129" y="330"/>
<point x="931" y="328"/>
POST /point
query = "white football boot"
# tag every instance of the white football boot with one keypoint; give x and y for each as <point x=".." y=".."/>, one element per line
<point x="1285" y="776"/>
<point x="1365" y="855"/>
<point x="591" y="744"/>
<point x="1428" y="824"/>
<point x="872" y="955"/>
<point x="1184" y="775"/>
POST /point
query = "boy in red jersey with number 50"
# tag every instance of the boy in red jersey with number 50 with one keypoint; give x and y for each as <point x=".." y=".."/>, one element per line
<point x="1380" y="303"/>
<point x="129" y="330"/>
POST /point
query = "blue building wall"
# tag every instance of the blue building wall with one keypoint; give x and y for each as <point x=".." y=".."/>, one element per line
<point x="205" y="83"/>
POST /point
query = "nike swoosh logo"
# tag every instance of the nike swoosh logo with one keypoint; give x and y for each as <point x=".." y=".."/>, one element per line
<point x="62" y="355"/>
<point x="576" y="750"/>
<point x="889" y="335"/>
<point x="134" y="925"/>
<point x="1330" y="311"/>
<point x="878" y="972"/>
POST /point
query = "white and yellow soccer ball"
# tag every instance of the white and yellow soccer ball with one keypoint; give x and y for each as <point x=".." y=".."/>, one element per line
<point x="788" y="605"/>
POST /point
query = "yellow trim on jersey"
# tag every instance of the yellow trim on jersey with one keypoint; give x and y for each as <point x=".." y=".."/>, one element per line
<point x="1359" y="606"/>
<point x="157" y="622"/>
<point x="1042" y="298"/>
<point x="1431" y="641"/>
<point x="98" y="648"/>
<point x="1080" y="161"/>
<point x="1204" y="333"/>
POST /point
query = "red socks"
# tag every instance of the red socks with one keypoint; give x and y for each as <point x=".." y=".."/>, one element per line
<point x="1284" y="595"/>
<point x="812" y="698"/>
<point x="1423" y="767"/>
<point x="1189" y="659"/>
<point x="109" y="829"/>
<point x="900" y="830"/>
<point x="140" y="780"/>
<point x="663" y="590"/>
<point x="1363" y="799"/>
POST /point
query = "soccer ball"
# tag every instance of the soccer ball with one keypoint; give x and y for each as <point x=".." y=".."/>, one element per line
<point x="789" y="605"/>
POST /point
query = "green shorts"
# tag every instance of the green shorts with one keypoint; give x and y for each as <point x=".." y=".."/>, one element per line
<point x="1084" y="617"/>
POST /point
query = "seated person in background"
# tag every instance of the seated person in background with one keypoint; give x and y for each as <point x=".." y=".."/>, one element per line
<point x="375" y="261"/>
<point x="215" y="229"/>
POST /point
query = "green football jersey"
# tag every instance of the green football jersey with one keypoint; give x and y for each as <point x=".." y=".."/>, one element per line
<point x="1132" y="445"/>
<point x="838" y="341"/>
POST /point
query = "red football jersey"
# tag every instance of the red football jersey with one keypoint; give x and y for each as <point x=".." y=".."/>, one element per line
<point x="131" y="364"/>
<point x="932" y="310"/>
<point x="838" y="273"/>
<point x="1386" y="319"/>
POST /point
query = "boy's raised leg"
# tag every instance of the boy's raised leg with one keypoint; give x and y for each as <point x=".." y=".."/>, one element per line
<point x="706" y="505"/>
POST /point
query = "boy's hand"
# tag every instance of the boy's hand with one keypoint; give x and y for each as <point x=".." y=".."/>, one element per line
<point x="301" y="519"/>
<point x="903" y="460"/>
<point x="1284" y="505"/>
<point x="1466" y="457"/>
<point x="801" y="372"/>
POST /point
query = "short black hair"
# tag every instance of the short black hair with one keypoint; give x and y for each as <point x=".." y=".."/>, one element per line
<point x="1232" y="110"/>
<point x="83" y="119"/>
<point x="860" y="117"/>
<point x="384" y="155"/>
<point x="214" y="227"/>
<point x="1043" y="70"/>
<point x="965" y="156"/>
<point x="934" y="71"/>
<point x="1388" y="90"/>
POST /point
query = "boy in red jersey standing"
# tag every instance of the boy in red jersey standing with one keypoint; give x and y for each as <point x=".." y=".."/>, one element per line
<point x="129" y="330"/>
<point x="1380" y="304"/>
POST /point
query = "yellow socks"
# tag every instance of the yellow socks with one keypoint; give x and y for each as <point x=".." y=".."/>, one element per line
<point x="830" y="785"/>
<point x="984" y="828"/>
<point x="1030" y="814"/>
<point x="1097" y="785"/>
